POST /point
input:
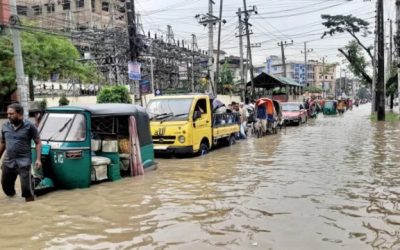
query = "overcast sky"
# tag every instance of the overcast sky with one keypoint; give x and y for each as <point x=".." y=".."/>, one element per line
<point x="277" y="20"/>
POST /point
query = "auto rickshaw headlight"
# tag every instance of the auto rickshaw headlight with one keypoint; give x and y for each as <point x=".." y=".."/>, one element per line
<point x="181" y="139"/>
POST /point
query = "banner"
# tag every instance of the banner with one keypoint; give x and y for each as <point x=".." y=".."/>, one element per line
<point x="144" y="87"/>
<point x="183" y="74"/>
<point x="134" y="70"/>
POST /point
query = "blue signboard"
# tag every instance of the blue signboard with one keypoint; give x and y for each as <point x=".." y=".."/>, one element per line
<point x="134" y="71"/>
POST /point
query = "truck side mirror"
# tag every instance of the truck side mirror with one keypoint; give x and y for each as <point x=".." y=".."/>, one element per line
<point x="196" y="115"/>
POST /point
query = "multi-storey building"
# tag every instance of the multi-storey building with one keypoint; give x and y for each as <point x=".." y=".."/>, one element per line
<point x="319" y="74"/>
<point x="74" y="14"/>
<point x="294" y="70"/>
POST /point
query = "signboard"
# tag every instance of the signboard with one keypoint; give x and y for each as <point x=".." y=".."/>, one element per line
<point x="134" y="70"/>
<point x="157" y="92"/>
<point x="4" y="12"/>
<point x="183" y="74"/>
<point x="144" y="86"/>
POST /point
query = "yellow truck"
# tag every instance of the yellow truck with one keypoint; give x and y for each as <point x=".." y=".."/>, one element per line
<point x="187" y="125"/>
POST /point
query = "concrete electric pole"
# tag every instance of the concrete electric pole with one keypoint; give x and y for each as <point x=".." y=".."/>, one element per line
<point x="246" y="22"/>
<point x="22" y="87"/>
<point x="306" y="51"/>
<point x="283" y="45"/>
<point x="240" y="35"/>
<point x="380" y="84"/>
<point x="398" y="48"/>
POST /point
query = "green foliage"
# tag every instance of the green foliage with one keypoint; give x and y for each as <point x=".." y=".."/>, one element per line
<point x="389" y="117"/>
<point x="225" y="78"/>
<point x="43" y="104"/>
<point x="312" y="89"/>
<point x="43" y="55"/>
<point x="63" y="100"/>
<point x="114" y="94"/>
<point x="362" y="93"/>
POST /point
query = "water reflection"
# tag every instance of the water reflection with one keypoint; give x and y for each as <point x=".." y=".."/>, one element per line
<point x="333" y="183"/>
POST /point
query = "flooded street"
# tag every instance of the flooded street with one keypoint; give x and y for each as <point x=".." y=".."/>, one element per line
<point x="331" y="184"/>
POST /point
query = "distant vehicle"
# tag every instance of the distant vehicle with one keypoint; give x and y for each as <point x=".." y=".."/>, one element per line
<point x="330" y="107"/>
<point x="294" y="112"/>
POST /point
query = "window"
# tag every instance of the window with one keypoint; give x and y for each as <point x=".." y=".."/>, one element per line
<point x="66" y="5"/>
<point x="50" y="7"/>
<point x="331" y="77"/>
<point x="22" y="10"/>
<point x="105" y="6"/>
<point x="37" y="10"/>
<point x="326" y="77"/>
<point x="201" y="106"/>
<point x="93" y="3"/>
<point x="63" y="127"/>
<point x="80" y="3"/>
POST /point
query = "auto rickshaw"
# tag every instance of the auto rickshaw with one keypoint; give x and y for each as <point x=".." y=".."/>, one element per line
<point x="330" y="107"/>
<point x="267" y="116"/>
<point x="87" y="144"/>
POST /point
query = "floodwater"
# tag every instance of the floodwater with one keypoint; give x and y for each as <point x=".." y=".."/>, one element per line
<point x="331" y="184"/>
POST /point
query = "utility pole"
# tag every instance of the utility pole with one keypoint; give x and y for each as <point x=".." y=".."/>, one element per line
<point x="240" y="35"/>
<point x="306" y="51"/>
<point x="246" y="22"/>
<point x="133" y="48"/>
<point x="210" y="20"/>
<point x="283" y="45"/>
<point x="398" y="48"/>
<point x="22" y="88"/>
<point x="380" y="95"/>
<point x="323" y="76"/>
<point x="219" y="40"/>
<point x="193" y="50"/>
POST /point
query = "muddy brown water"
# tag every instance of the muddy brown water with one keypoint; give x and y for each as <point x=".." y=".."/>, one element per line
<point x="331" y="184"/>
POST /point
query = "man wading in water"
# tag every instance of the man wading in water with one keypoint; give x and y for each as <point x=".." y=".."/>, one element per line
<point x="16" y="136"/>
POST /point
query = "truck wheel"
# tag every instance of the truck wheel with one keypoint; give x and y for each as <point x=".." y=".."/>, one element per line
<point x="203" y="149"/>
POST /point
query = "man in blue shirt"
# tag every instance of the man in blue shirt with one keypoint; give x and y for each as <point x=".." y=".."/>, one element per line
<point x="16" y="136"/>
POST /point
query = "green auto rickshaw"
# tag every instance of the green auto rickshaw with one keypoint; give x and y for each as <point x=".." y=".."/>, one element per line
<point x="330" y="107"/>
<point x="85" y="144"/>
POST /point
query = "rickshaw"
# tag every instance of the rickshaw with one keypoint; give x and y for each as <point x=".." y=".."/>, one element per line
<point x="341" y="106"/>
<point x="313" y="109"/>
<point x="88" y="144"/>
<point x="330" y="107"/>
<point x="278" y="109"/>
<point x="266" y="116"/>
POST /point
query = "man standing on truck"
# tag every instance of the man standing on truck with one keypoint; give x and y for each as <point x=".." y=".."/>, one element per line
<point x="16" y="136"/>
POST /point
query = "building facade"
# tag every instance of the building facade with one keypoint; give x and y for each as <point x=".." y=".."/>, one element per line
<point x="318" y="74"/>
<point x="74" y="14"/>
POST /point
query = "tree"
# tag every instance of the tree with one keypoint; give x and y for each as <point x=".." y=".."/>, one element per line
<point x="226" y="78"/>
<point x="43" y="55"/>
<point x="114" y="94"/>
<point x="357" y="61"/>
<point x="347" y="24"/>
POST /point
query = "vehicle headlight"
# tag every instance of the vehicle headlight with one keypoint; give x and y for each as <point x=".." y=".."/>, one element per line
<point x="181" y="139"/>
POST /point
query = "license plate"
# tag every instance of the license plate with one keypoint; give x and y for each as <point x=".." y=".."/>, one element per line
<point x="160" y="147"/>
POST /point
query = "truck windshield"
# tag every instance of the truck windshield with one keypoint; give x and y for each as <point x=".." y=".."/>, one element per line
<point x="63" y="127"/>
<point x="173" y="109"/>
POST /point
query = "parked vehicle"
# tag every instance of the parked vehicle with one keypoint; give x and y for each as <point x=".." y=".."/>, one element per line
<point x="294" y="113"/>
<point x="187" y="125"/>
<point x="330" y="107"/>
<point x="90" y="143"/>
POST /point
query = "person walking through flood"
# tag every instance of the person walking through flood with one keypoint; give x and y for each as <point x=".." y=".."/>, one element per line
<point x="16" y="136"/>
